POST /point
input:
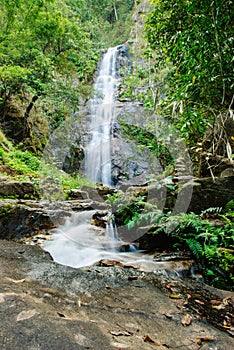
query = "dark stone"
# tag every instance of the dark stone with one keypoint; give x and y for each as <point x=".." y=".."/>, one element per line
<point x="150" y="241"/>
<point x="93" y="193"/>
<point x="207" y="193"/>
<point x="78" y="194"/>
<point x="72" y="161"/>
<point x="17" y="189"/>
<point x="99" y="193"/>
<point x="18" y="221"/>
<point x="100" y="218"/>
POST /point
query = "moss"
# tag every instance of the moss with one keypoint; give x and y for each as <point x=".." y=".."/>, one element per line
<point x="5" y="210"/>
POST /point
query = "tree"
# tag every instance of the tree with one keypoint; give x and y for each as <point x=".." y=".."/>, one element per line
<point x="197" y="38"/>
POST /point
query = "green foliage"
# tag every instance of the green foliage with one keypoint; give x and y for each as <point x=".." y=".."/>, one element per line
<point x="212" y="244"/>
<point x="25" y="166"/>
<point x="197" y="39"/>
<point x="20" y="162"/>
<point x="56" y="184"/>
<point x="50" y="49"/>
<point x="230" y="206"/>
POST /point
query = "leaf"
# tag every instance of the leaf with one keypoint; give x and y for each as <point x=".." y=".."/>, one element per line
<point x="170" y="287"/>
<point x="186" y="320"/>
<point x="120" y="333"/>
<point x="15" y="281"/>
<point x="148" y="339"/>
<point x="24" y="315"/>
<point x="218" y="307"/>
<point x="3" y="295"/>
<point x="229" y="151"/>
<point x="202" y="339"/>
<point x="175" y="296"/>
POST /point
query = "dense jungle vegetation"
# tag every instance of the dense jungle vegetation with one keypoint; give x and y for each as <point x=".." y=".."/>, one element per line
<point x="49" y="50"/>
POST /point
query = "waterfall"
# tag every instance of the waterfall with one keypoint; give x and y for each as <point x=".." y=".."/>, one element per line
<point x="79" y="243"/>
<point x="111" y="234"/>
<point x="98" y="152"/>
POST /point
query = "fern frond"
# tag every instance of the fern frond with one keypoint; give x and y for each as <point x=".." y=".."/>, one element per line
<point x="195" y="247"/>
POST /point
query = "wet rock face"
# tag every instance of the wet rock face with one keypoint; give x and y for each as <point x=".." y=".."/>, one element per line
<point x="123" y="58"/>
<point x="131" y="163"/>
<point x="18" y="221"/>
<point x="64" y="149"/>
<point x="21" y="219"/>
<point x="73" y="159"/>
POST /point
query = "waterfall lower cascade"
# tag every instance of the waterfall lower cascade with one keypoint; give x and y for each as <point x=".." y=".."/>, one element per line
<point x="79" y="243"/>
<point x="98" y="153"/>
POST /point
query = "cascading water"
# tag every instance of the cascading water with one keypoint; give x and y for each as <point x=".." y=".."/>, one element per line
<point x="78" y="243"/>
<point x="98" y="153"/>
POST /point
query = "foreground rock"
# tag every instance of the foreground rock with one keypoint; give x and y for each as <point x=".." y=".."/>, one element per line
<point x="49" y="306"/>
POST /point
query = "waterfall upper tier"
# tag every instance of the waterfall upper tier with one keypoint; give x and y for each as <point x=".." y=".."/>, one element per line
<point x="98" y="152"/>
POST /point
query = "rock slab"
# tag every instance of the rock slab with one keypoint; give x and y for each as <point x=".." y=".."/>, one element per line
<point x="49" y="306"/>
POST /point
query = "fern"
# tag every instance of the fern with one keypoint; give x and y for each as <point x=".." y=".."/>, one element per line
<point x="211" y="253"/>
<point x="212" y="210"/>
<point x="230" y="206"/>
<point x="195" y="247"/>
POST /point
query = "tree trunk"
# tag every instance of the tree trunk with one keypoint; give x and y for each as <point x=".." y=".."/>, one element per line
<point x="116" y="15"/>
<point x="27" y="113"/>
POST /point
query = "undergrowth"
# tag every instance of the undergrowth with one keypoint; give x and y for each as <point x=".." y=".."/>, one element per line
<point x="209" y="236"/>
<point x="19" y="165"/>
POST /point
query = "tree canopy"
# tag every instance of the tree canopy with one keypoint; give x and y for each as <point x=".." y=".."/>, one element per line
<point x="50" y="49"/>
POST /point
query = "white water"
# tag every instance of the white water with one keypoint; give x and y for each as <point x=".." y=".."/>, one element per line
<point x="98" y="153"/>
<point x="78" y="243"/>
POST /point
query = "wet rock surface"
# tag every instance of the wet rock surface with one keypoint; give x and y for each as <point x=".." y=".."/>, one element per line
<point x="45" y="305"/>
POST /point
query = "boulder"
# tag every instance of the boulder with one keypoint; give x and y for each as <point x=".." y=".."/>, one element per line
<point x="18" y="221"/>
<point x="17" y="189"/>
<point x="78" y="194"/>
<point x="209" y="193"/>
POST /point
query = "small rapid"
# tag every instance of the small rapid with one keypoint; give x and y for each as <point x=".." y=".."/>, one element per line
<point x="78" y="243"/>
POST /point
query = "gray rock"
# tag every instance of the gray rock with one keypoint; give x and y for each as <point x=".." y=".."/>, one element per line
<point x="207" y="193"/>
<point x="18" y="189"/>
<point x="78" y="194"/>
<point x="45" y="305"/>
